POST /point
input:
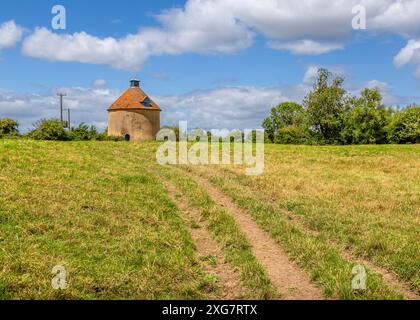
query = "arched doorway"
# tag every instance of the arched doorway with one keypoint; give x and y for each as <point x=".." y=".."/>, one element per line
<point x="127" y="137"/>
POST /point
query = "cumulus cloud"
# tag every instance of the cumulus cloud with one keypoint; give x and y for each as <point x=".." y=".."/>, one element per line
<point x="10" y="34"/>
<point x="201" y="27"/>
<point x="398" y="16"/>
<point x="126" y="53"/>
<point x="227" y="26"/>
<point x="232" y="107"/>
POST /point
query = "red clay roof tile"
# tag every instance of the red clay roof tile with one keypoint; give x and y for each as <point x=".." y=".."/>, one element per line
<point x="132" y="99"/>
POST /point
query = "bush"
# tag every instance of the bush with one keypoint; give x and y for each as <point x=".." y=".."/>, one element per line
<point x="291" y="135"/>
<point x="49" y="129"/>
<point x="8" y="128"/>
<point x="405" y="126"/>
<point x="83" y="132"/>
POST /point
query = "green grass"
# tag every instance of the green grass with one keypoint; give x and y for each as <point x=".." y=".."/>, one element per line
<point x="365" y="198"/>
<point x="324" y="263"/>
<point x="227" y="234"/>
<point x="101" y="210"/>
<point x="97" y="212"/>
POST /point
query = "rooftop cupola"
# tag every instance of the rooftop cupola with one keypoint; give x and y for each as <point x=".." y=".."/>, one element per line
<point x="135" y="83"/>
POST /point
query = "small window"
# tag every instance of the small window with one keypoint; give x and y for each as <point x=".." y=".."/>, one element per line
<point x="146" y="103"/>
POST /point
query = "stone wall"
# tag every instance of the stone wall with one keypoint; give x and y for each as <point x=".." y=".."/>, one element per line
<point x="139" y="124"/>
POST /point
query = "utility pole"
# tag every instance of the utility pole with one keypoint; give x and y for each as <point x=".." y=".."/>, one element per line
<point x="61" y="95"/>
<point x="68" y="119"/>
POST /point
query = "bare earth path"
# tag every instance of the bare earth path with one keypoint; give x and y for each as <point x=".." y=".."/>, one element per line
<point x="206" y="247"/>
<point x="291" y="282"/>
<point x="390" y="278"/>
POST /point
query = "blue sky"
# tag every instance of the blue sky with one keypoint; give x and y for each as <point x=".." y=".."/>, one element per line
<point x="214" y="63"/>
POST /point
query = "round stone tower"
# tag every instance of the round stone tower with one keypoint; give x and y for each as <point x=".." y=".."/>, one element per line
<point x="134" y="116"/>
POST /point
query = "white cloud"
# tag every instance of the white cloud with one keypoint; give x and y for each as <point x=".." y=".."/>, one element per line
<point x="389" y="98"/>
<point x="99" y="83"/>
<point x="87" y="105"/>
<point x="10" y="34"/>
<point x="410" y="54"/>
<point x="227" y="26"/>
<point x="200" y="27"/>
<point x="203" y="26"/>
<point x="126" y="53"/>
<point x="219" y="108"/>
<point x="305" y="47"/>
<point x="277" y="19"/>
<point x="233" y="107"/>
<point x="401" y="16"/>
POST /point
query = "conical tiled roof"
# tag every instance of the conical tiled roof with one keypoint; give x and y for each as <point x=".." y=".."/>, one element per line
<point x="134" y="98"/>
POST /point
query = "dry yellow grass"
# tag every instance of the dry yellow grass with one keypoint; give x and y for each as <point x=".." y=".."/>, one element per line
<point x="365" y="198"/>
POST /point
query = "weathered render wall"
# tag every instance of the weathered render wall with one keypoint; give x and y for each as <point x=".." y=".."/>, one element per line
<point x="139" y="124"/>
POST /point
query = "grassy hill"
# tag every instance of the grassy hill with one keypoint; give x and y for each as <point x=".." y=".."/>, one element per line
<point x="105" y="211"/>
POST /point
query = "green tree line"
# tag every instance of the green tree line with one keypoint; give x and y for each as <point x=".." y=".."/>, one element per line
<point x="330" y="115"/>
<point x="53" y="129"/>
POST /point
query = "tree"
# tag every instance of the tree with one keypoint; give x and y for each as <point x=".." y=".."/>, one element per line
<point x="83" y="132"/>
<point x="325" y="106"/>
<point x="366" y="120"/>
<point x="286" y="114"/>
<point x="291" y="135"/>
<point x="49" y="129"/>
<point x="8" y="127"/>
<point x="404" y="126"/>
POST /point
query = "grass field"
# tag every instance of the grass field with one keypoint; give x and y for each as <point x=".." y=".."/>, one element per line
<point x="103" y="211"/>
